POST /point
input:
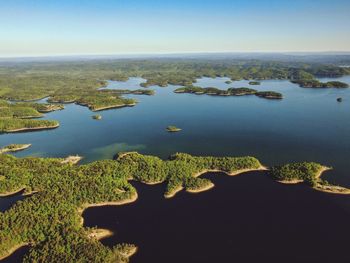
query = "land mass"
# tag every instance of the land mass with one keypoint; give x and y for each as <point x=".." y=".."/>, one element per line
<point x="67" y="82"/>
<point x="63" y="191"/>
<point x="14" y="148"/>
<point x="229" y="92"/>
<point x="173" y="129"/>
<point x="17" y="117"/>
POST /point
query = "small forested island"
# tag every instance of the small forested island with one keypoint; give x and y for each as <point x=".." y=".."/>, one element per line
<point x="313" y="83"/>
<point x="269" y="95"/>
<point x="309" y="173"/>
<point x="14" y="148"/>
<point x="97" y="117"/>
<point x="339" y="99"/>
<point x="228" y="81"/>
<point x="229" y="92"/>
<point x="49" y="220"/>
<point x="17" y="117"/>
<point x="254" y="82"/>
<point x="172" y="128"/>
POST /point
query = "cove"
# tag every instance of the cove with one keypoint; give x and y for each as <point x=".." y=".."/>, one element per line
<point x="246" y="218"/>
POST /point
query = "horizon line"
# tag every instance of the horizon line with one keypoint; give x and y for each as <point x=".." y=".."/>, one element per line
<point x="339" y="52"/>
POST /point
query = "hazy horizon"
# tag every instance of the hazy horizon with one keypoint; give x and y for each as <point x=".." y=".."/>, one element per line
<point x="71" y="27"/>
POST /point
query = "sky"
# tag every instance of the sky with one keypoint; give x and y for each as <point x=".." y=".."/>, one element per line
<point x="82" y="27"/>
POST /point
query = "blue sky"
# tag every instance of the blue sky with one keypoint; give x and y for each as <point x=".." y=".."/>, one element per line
<point x="65" y="27"/>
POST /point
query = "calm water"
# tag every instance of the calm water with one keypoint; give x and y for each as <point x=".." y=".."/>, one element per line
<point x="308" y="125"/>
<point x="248" y="218"/>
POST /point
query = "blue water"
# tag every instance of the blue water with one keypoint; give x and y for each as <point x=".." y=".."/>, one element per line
<point x="308" y="125"/>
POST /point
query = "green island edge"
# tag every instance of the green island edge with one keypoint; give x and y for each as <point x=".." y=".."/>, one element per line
<point x="59" y="191"/>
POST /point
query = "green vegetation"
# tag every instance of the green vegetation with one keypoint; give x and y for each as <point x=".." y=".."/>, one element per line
<point x="70" y="81"/>
<point x="317" y="84"/>
<point x="229" y="92"/>
<point x="254" y="83"/>
<point x="135" y="92"/>
<point x="16" y="117"/>
<point x="16" y="111"/>
<point x="14" y="148"/>
<point x="269" y="95"/>
<point x="96" y="100"/>
<point x="241" y="91"/>
<point x="42" y="107"/>
<point x="305" y="172"/>
<point x="308" y="173"/>
<point x="16" y="125"/>
<point x="102" y="101"/>
<point x="228" y="81"/>
<point x="173" y="129"/>
<point x="50" y="221"/>
<point x="97" y="117"/>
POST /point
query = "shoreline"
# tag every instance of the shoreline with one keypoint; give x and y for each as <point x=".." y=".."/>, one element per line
<point x="131" y="253"/>
<point x="13" y="250"/>
<point x="298" y="181"/>
<point x="23" y="147"/>
<point x="8" y="194"/>
<point x="100" y="233"/>
<point x="72" y="159"/>
<point x="172" y="194"/>
<point x="203" y="189"/>
<point x="130" y="200"/>
<point x="261" y="168"/>
<point x="111" y="107"/>
<point x="330" y="189"/>
<point x="150" y="183"/>
<point x="33" y="129"/>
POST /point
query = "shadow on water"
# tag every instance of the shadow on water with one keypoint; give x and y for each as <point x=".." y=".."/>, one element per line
<point x="248" y="218"/>
<point x="8" y="201"/>
<point x="17" y="256"/>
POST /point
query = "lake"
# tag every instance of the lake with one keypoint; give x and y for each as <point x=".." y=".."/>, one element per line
<point x="241" y="213"/>
<point x="247" y="218"/>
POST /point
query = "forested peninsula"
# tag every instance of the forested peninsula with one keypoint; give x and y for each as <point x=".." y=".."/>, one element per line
<point x="229" y="92"/>
<point x="17" y="117"/>
<point x="83" y="82"/>
<point x="50" y="222"/>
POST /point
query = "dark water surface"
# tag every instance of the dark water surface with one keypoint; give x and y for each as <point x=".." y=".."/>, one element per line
<point x="244" y="219"/>
<point x="247" y="218"/>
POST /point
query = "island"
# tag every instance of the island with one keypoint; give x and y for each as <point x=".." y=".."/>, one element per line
<point x="173" y="129"/>
<point x="313" y="83"/>
<point x="254" y="82"/>
<point x="339" y="99"/>
<point x="50" y="219"/>
<point x="269" y="95"/>
<point x="309" y="173"/>
<point x="228" y="81"/>
<point x="14" y="148"/>
<point x="97" y="117"/>
<point x="69" y="82"/>
<point x="229" y="92"/>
